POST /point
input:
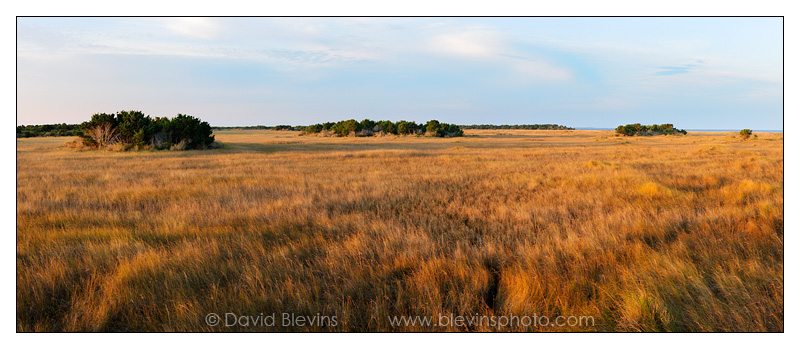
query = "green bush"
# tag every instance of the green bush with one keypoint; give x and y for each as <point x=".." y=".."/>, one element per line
<point x="407" y="127"/>
<point x="638" y="129"/>
<point x="134" y="129"/>
<point x="367" y="127"/>
<point x="435" y="128"/>
<point x="189" y="129"/>
<point x="367" y="124"/>
<point x="388" y="126"/>
<point x="746" y="133"/>
<point x="344" y="128"/>
<point x="315" y="128"/>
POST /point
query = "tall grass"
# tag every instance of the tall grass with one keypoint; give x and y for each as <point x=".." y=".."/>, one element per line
<point x="644" y="233"/>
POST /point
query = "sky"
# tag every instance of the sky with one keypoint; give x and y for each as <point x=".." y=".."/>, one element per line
<point x="693" y="72"/>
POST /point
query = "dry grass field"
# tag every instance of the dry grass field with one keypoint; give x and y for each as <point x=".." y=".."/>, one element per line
<point x="660" y="233"/>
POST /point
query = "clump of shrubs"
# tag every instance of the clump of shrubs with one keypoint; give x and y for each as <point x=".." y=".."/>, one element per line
<point x="132" y="129"/>
<point x="746" y="133"/>
<point x="648" y="130"/>
<point x="367" y="127"/>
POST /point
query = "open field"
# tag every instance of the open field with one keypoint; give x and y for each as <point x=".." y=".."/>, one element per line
<point x="655" y="233"/>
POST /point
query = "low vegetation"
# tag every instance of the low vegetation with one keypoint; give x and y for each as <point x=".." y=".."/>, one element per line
<point x="132" y="129"/>
<point x="678" y="234"/>
<point x="516" y="127"/>
<point x="260" y="127"/>
<point x="648" y="130"/>
<point x="746" y="133"/>
<point x="367" y="127"/>
<point x="51" y="130"/>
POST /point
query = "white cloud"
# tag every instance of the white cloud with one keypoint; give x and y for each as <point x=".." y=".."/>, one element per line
<point x="492" y="47"/>
<point x="201" y="28"/>
<point x="471" y="44"/>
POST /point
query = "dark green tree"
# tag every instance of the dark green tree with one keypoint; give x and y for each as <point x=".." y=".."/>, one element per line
<point x="344" y="128"/>
<point x="315" y="128"/>
<point x="388" y="126"/>
<point x="134" y="127"/>
<point x="366" y="124"/>
<point x="190" y="130"/>
<point x="406" y="127"/>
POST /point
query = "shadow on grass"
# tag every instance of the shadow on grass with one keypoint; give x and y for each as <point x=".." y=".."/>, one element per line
<point x="240" y="147"/>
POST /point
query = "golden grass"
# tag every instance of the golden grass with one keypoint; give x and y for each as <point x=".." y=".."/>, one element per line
<point x="643" y="233"/>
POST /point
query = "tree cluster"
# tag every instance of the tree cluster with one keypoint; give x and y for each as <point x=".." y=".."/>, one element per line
<point x="648" y="130"/>
<point x="134" y="129"/>
<point x="517" y="127"/>
<point x="369" y="127"/>
<point x="52" y="130"/>
<point x="260" y="127"/>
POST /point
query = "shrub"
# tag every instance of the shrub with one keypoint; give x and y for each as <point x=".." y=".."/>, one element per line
<point x="437" y="129"/>
<point x="102" y="135"/>
<point x="189" y="129"/>
<point x="433" y="127"/>
<point x="407" y="127"/>
<point x="452" y="130"/>
<point x="315" y="128"/>
<point x="344" y="128"/>
<point x="132" y="129"/>
<point x="638" y="129"/>
<point x="367" y="124"/>
<point x="387" y="126"/>
<point x="746" y="133"/>
<point x="367" y="128"/>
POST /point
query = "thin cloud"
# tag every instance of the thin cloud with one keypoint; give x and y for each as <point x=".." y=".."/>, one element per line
<point x="677" y="70"/>
<point x="469" y="44"/>
<point x="201" y="28"/>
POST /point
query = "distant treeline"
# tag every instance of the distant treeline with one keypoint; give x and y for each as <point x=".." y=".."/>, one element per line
<point x="517" y="127"/>
<point x="51" y="130"/>
<point x="342" y="128"/>
<point x="648" y="130"/>
<point x="260" y="127"/>
<point x="367" y="128"/>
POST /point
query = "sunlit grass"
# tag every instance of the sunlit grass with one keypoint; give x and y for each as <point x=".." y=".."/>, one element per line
<point x="643" y="233"/>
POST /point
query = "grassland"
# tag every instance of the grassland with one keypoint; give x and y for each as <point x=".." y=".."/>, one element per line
<point x="644" y="233"/>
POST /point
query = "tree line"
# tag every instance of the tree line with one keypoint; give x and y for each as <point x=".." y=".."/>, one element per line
<point x="368" y="127"/>
<point x="517" y="127"/>
<point x="50" y="130"/>
<point x="129" y="129"/>
<point x="154" y="130"/>
<point x="648" y="130"/>
<point x="260" y="127"/>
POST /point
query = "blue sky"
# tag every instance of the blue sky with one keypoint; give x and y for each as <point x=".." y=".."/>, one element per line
<point x="697" y="73"/>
